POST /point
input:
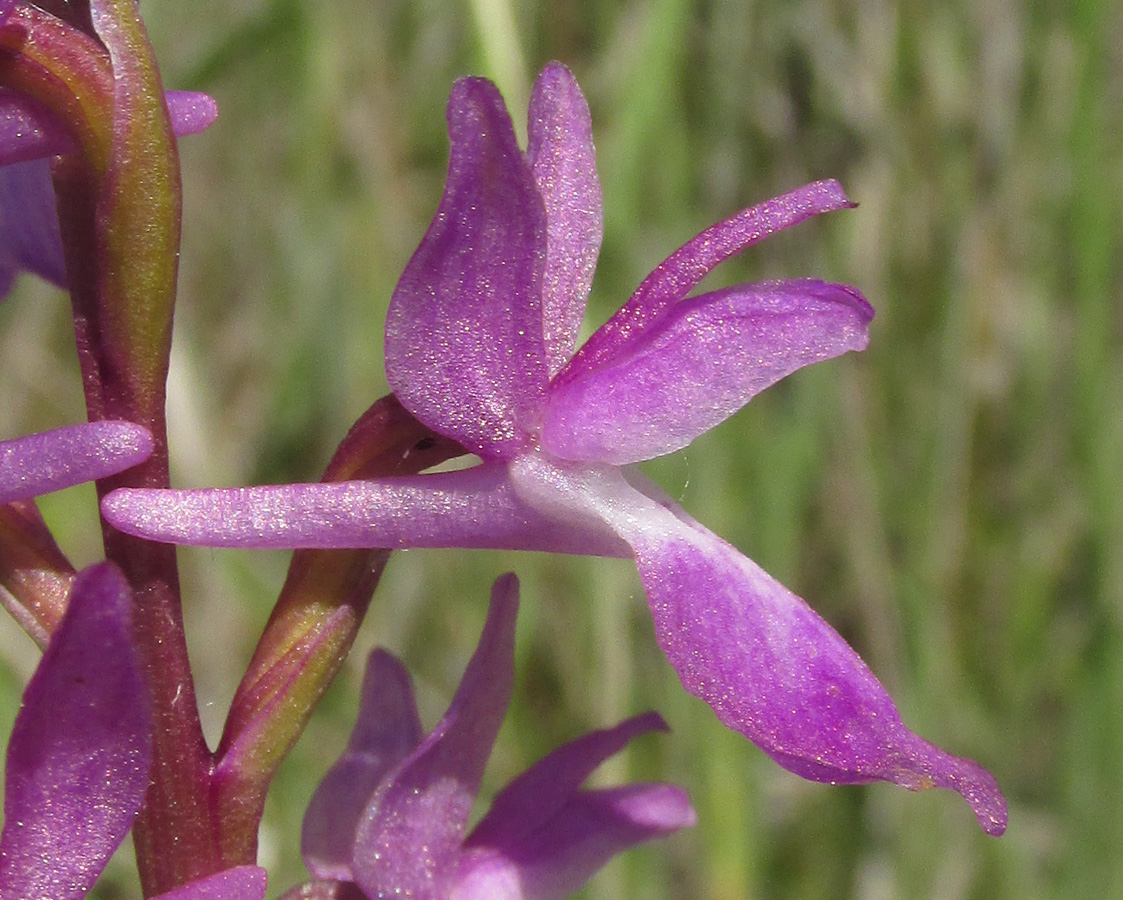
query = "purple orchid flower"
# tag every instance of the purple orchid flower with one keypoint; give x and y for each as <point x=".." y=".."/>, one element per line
<point x="29" y="135"/>
<point x="479" y="342"/>
<point x="390" y="816"/>
<point x="78" y="758"/>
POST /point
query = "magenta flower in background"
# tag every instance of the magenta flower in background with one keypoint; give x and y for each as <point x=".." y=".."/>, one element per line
<point x="479" y="347"/>
<point x="391" y="815"/>
<point x="78" y="758"/>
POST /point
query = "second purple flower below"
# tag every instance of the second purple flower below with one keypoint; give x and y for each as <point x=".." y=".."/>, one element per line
<point x="391" y="815"/>
<point x="479" y="347"/>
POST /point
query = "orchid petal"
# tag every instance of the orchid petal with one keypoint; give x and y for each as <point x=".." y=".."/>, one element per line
<point x="469" y="508"/>
<point x="536" y="795"/>
<point x="386" y="732"/>
<point x="29" y="131"/>
<point x="52" y="460"/>
<point x="80" y="750"/>
<point x="561" y="855"/>
<point x="239" y="883"/>
<point x="464" y="350"/>
<point x="704" y="359"/>
<point x="412" y="833"/>
<point x="768" y="665"/>
<point x="191" y="112"/>
<point x="563" y="161"/>
<point x="29" y="234"/>
<point x="674" y="278"/>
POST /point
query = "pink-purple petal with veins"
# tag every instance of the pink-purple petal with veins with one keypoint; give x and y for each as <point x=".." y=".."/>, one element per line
<point x="239" y="883"/>
<point x="475" y="508"/>
<point x="29" y="131"/>
<point x="52" y="460"/>
<point x="538" y="793"/>
<point x="80" y="750"/>
<point x="410" y="839"/>
<point x="700" y="363"/>
<point x="563" y="161"/>
<point x="578" y="839"/>
<point x="680" y="272"/>
<point x="386" y="732"/>
<point x="766" y="663"/>
<point x="464" y="350"/>
<point x="29" y="234"/>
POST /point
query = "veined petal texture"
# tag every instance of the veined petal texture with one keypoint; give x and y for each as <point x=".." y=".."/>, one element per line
<point x="409" y="842"/>
<point x="80" y="750"/>
<point x="52" y="460"/>
<point x="464" y="350"/>
<point x="702" y="361"/>
<point x="563" y="161"/>
<point x="680" y="272"/>
<point x="766" y="663"/>
<point x="386" y="732"/>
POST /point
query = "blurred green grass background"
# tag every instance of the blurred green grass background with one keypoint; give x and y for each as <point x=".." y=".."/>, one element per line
<point x="950" y="500"/>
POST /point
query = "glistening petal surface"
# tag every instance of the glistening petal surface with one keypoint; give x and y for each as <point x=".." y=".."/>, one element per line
<point x="80" y="750"/>
<point x="680" y="272"/>
<point x="702" y="361"/>
<point x="757" y="654"/>
<point x="52" y="460"/>
<point x="410" y="840"/>
<point x="563" y="162"/>
<point x="469" y="508"/>
<point x="565" y="851"/>
<point x="464" y="349"/>
<point x="386" y="732"/>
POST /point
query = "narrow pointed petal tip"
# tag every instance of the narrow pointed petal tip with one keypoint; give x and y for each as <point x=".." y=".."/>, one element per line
<point x="704" y="360"/>
<point x="680" y="272"/>
<point x="52" y="460"/>
<point x="536" y="795"/>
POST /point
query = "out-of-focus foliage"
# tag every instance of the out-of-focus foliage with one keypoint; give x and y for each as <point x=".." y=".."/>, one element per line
<point x="950" y="500"/>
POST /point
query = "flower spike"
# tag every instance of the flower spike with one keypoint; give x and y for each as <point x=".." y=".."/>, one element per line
<point x="666" y="368"/>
